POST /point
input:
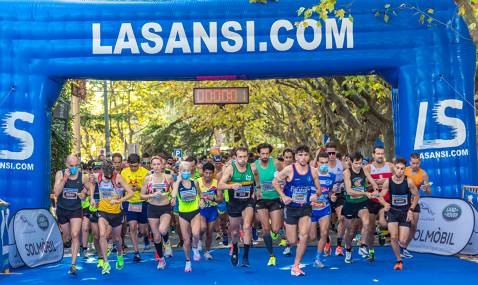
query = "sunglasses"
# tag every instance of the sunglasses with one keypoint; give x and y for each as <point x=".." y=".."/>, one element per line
<point x="332" y="153"/>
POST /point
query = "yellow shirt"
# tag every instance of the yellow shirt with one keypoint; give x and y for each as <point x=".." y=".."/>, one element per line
<point x="135" y="180"/>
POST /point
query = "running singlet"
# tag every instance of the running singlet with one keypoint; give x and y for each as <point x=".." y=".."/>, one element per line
<point x="300" y="188"/>
<point x="400" y="196"/>
<point x="326" y="183"/>
<point x="209" y="192"/>
<point x="135" y="180"/>
<point x="338" y="170"/>
<point x="246" y="179"/>
<point x="265" y="178"/>
<point x="68" y="198"/>
<point x="418" y="179"/>
<point x="188" y="198"/>
<point x="108" y="191"/>
<point x="358" y="181"/>
<point x="380" y="173"/>
<point x="162" y="187"/>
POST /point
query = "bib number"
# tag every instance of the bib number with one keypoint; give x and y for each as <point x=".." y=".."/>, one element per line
<point x="399" y="200"/>
<point x="244" y="192"/>
<point x="189" y="195"/>
<point x="106" y="193"/>
<point x="267" y="186"/>
<point x="70" y="193"/>
<point x="299" y="195"/>
<point x="161" y="188"/>
<point x="135" y="207"/>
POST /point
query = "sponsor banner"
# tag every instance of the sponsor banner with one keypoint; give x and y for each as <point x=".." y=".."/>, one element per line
<point x="445" y="226"/>
<point x="37" y="237"/>
<point x="13" y="255"/>
<point x="472" y="246"/>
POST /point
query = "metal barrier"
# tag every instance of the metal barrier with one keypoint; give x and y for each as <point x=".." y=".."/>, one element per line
<point x="4" y="213"/>
<point x="472" y="198"/>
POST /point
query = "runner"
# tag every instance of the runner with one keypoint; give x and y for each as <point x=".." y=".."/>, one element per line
<point x="420" y="178"/>
<point x="210" y="195"/>
<point x="400" y="211"/>
<point x="117" y="160"/>
<point x="336" y="168"/>
<point x="288" y="155"/>
<point x="268" y="205"/>
<point x="222" y="206"/>
<point x="68" y="189"/>
<point x="242" y="176"/>
<point x="321" y="208"/>
<point x="188" y="199"/>
<point x="136" y="209"/>
<point x="93" y="217"/>
<point x="356" y="203"/>
<point x="301" y="185"/>
<point x="109" y="211"/>
<point x="156" y="190"/>
<point x="380" y="170"/>
<point x="85" y="223"/>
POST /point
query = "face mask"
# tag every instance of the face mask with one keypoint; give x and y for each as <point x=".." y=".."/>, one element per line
<point x="324" y="168"/>
<point x="185" y="175"/>
<point x="73" y="170"/>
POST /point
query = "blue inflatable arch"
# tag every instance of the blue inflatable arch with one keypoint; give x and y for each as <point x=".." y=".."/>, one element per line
<point x="43" y="43"/>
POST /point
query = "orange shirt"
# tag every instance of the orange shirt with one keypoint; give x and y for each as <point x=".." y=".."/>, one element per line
<point x="418" y="178"/>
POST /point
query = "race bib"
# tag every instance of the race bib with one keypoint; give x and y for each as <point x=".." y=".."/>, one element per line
<point x="210" y="196"/>
<point x="160" y="188"/>
<point x="323" y="200"/>
<point x="267" y="186"/>
<point x="299" y="195"/>
<point x="189" y="195"/>
<point x="70" y="193"/>
<point x="244" y="192"/>
<point x="107" y="193"/>
<point x="399" y="200"/>
<point x="135" y="207"/>
<point x="339" y="188"/>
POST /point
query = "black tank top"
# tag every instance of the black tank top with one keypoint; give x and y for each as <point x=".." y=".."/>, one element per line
<point x="400" y="195"/>
<point x="68" y="198"/>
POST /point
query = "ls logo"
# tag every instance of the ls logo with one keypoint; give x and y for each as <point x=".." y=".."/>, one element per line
<point x="457" y="125"/>
<point x="26" y="140"/>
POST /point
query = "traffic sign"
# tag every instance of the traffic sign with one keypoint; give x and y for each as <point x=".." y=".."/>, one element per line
<point x="177" y="152"/>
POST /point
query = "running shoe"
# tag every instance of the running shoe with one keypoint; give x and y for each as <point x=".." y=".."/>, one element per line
<point x="283" y="242"/>
<point x="188" y="267"/>
<point x="207" y="255"/>
<point x="168" y="251"/>
<point x="296" y="271"/>
<point x="72" y="270"/>
<point x="398" y="265"/>
<point x="179" y="244"/>
<point x="82" y="252"/>
<point x="339" y="251"/>
<point x="363" y="252"/>
<point x="196" y="254"/>
<point x="371" y="255"/>
<point x="100" y="263"/>
<point x="161" y="263"/>
<point x="287" y="251"/>
<point x="348" y="256"/>
<point x="113" y="249"/>
<point x="406" y="254"/>
<point x="147" y="244"/>
<point x="272" y="261"/>
<point x="106" y="268"/>
<point x="137" y="257"/>
<point x="318" y="263"/>
<point x="274" y="236"/>
<point x="327" y="249"/>
<point x="234" y="259"/>
<point x="119" y="262"/>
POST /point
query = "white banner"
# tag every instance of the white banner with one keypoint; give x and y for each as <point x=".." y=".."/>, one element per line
<point x="37" y="237"/>
<point x="445" y="226"/>
<point x="472" y="246"/>
<point x="13" y="255"/>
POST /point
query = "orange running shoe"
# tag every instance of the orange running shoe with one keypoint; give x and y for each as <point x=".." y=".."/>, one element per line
<point x="327" y="249"/>
<point x="398" y="265"/>
<point x="296" y="271"/>
<point x="339" y="251"/>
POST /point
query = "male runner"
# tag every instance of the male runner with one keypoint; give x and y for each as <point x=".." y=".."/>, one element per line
<point x="268" y="205"/>
<point x="380" y="170"/>
<point x="420" y="178"/>
<point x="69" y="184"/>
<point x="301" y="185"/>
<point x="288" y="155"/>
<point x="238" y="179"/>
<point x="404" y="197"/>
<point x="356" y="203"/>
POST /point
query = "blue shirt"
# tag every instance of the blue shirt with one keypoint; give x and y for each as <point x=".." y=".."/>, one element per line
<point x="326" y="183"/>
<point x="300" y="188"/>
